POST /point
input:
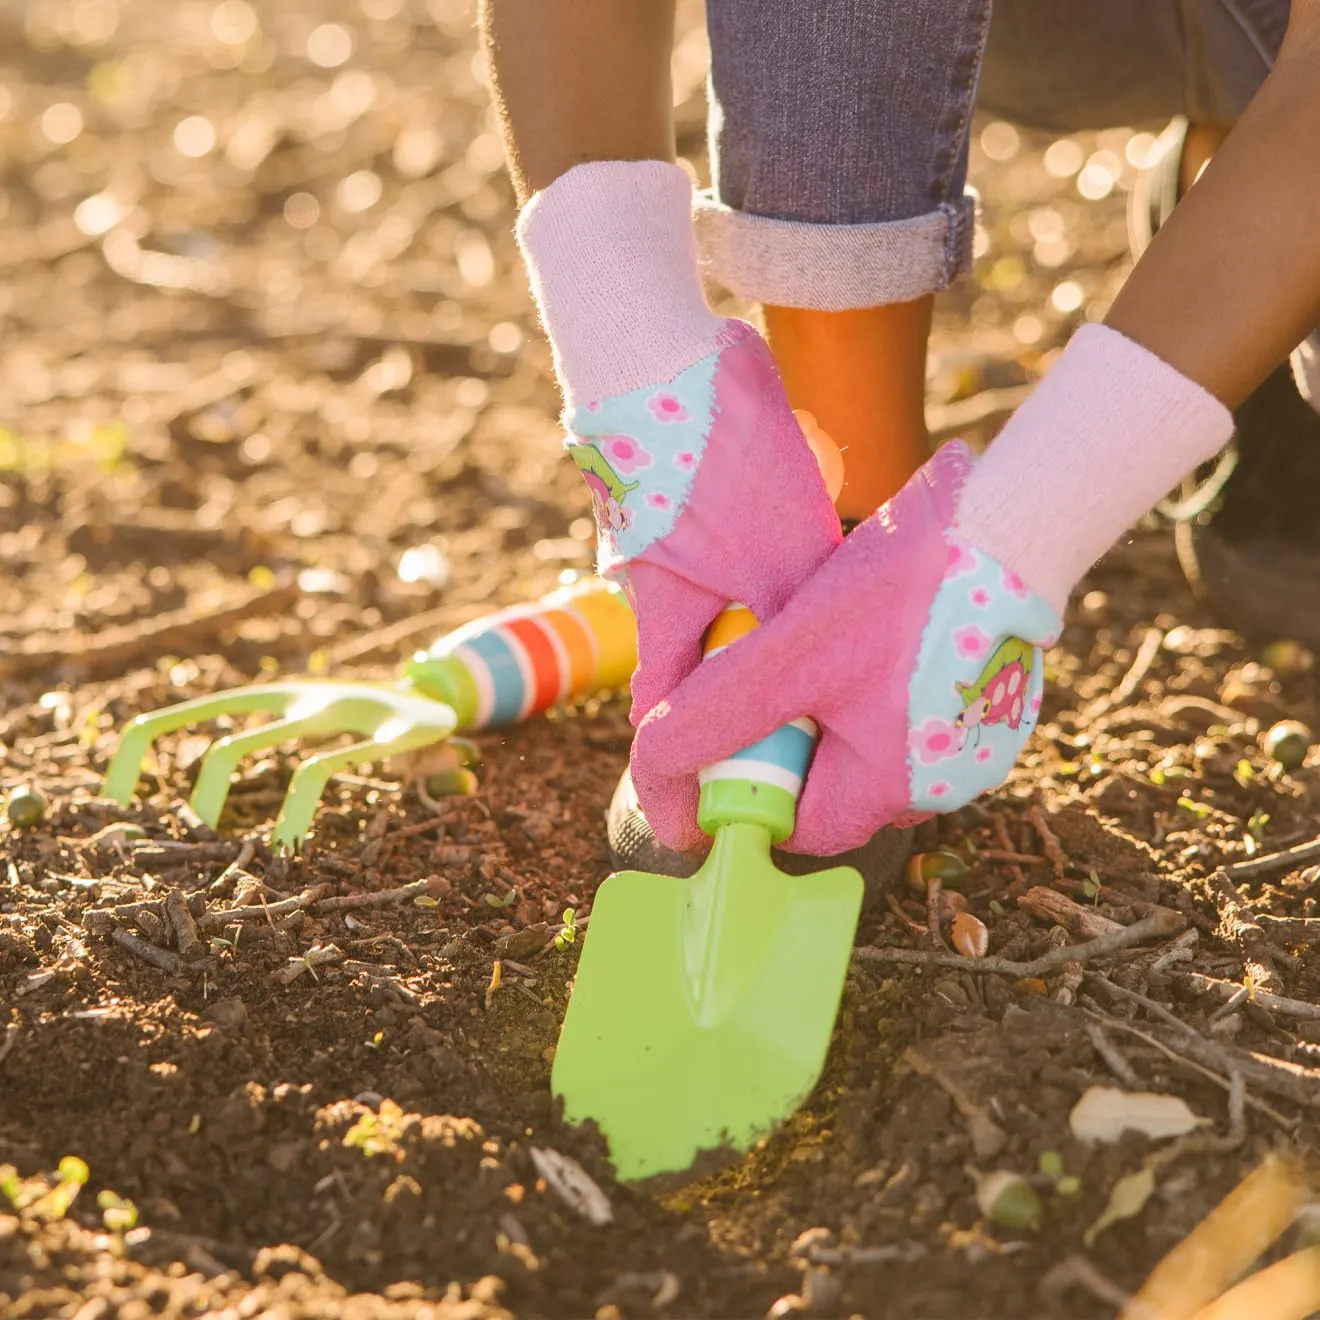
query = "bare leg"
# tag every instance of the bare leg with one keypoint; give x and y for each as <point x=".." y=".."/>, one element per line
<point x="578" y="81"/>
<point x="863" y="374"/>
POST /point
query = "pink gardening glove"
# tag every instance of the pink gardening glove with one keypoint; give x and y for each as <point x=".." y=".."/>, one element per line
<point x="705" y="489"/>
<point x="917" y="647"/>
<point x="916" y="653"/>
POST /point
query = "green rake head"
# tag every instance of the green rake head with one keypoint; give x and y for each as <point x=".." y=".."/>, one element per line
<point x="389" y="721"/>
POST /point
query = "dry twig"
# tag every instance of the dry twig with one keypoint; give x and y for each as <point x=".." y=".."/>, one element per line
<point x="1146" y="928"/>
<point x="182" y="923"/>
<point x="1048" y="839"/>
<point x="319" y="955"/>
<point x="1290" y="857"/>
<point x="1234" y="994"/>
<point x="1141" y="663"/>
<point x="378" y="898"/>
<point x="163" y="959"/>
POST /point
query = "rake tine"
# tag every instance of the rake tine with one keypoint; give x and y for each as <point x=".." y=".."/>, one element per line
<point x="135" y="742"/>
<point x="219" y="764"/>
<point x="310" y="778"/>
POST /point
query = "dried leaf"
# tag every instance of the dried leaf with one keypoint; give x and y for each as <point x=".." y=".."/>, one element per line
<point x="1128" y="1199"/>
<point x="573" y="1183"/>
<point x="1104" y="1113"/>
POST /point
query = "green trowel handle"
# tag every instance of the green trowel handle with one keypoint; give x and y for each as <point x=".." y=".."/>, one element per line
<point x="760" y="784"/>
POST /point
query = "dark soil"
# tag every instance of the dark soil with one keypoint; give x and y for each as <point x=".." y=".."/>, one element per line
<point x="239" y="385"/>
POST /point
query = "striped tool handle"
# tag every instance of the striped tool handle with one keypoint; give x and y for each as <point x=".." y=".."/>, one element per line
<point x="760" y="784"/>
<point x="520" y="661"/>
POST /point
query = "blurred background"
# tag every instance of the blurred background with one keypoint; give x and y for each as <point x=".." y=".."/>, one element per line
<point x="261" y="317"/>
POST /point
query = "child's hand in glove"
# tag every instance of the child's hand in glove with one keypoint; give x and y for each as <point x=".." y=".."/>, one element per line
<point x="917" y="647"/>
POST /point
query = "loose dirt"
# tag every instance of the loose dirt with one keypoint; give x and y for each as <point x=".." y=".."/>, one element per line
<point x="276" y="404"/>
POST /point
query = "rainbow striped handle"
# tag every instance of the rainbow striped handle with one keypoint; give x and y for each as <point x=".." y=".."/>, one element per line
<point x="760" y="784"/>
<point x="520" y="661"/>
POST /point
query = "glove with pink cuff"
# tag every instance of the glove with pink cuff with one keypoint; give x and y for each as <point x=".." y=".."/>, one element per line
<point x="705" y="489"/>
<point x="917" y="646"/>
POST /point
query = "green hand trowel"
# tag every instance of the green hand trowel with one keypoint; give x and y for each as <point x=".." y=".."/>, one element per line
<point x="702" y="1008"/>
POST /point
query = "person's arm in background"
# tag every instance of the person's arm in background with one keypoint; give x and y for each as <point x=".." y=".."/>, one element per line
<point x="1231" y="283"/>
<point x="917" y="647"/>
<point x="704" y="487"/>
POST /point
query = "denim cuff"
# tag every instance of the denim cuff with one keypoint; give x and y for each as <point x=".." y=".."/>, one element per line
<point x="833" y="267"/>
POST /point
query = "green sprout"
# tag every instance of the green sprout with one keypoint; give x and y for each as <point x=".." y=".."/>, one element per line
<point x="1198" y="809"/>
<point x="378" y="1134"/>
<point x="1051" y="1166"/>
<point x="493" y="900"/>
<point x="117" y="1214"/>
<point x="1256" y="825"/>
<point x="1243" y="772"/>
<point x="1091" y="887"/>
<point x="568" y="932"/>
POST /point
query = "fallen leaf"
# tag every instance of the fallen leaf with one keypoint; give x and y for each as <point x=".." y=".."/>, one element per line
<point x="1104" y="1113"/>
<point x="1127" y="1199"/>
<point x="573" y="1183"/>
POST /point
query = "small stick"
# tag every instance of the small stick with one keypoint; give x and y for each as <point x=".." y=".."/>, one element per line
<point x="379" y="898"/>
<point x="1048" y="839"/>
<point x="1077" y="1271"/>
<point x="1158" y="925"/>
<point x="1192" y="1065"/>
<point x="1141" y="663"/>
<point x="1300" y="1085"/>
<point x="1049" y="905"/>
<point x="149" y="953"/>
<point x="185" y="928"/>
<point x="1304" y="852"/>
<point x="245" y="936"/>
<point x="933" y="888"/>
<point x="10" y="1040"/>
<point x="1233" y="994"/>
<point x="891" y="901"/>
<point x="1296" y="927"/>
<point x="239" y="865"/>
<point x="1116" y="1063"/>
<point x="263" y="911"/>
<point x="317" y="956"/>
<point x="1003" y="855"/>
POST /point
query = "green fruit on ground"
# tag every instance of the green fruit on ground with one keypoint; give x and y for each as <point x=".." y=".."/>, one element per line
<point x="452" y="783"/>
<point x="26" y="808"/>
<point x="1288" y="743"/>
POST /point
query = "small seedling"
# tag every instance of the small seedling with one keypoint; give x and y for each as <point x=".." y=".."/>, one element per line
<point x="376" y="1041"/>
<point x="1091" y="887"/>
<point x="1051" y="1166"/>
<point x="1256" y="825"/>
<point x="379" y="1133"/>
<point x="117" y="1214"/>
<point x="425" y="901"/>
<point x="998" y="908"/>
<point x="568" y="932"/>
<point x="1243" y="772"/>
<point x="493" y="900"/>
<point x="1198" y="809"/>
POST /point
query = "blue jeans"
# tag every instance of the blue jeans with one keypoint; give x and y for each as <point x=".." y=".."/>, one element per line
<point x="839" y="128"/>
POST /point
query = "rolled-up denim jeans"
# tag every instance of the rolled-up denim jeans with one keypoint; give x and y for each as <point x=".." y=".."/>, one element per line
<point x="839" y="128"/>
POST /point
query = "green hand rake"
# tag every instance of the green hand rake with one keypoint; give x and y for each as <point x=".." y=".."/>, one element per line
<point x="489" y="674"/>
